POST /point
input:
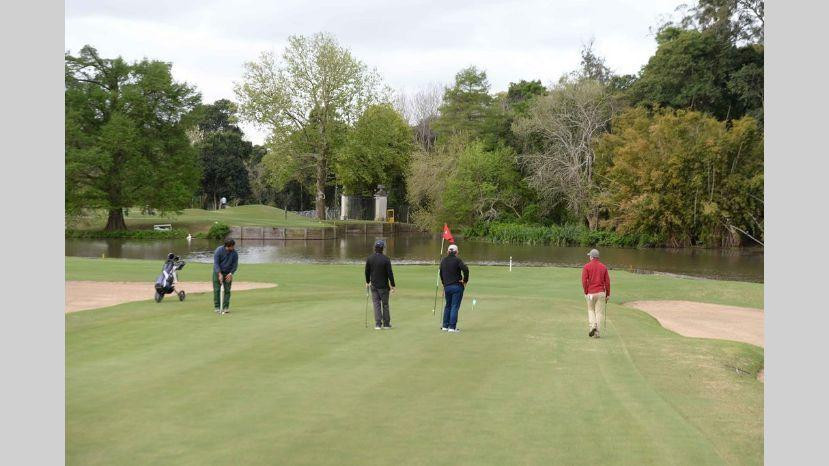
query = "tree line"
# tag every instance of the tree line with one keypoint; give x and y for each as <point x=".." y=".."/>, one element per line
<point x="674" y="152"/>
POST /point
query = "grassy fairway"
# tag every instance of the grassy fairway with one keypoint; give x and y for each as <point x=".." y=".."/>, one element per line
<point x="293" y="377"/>
<point x="199" y="220"/>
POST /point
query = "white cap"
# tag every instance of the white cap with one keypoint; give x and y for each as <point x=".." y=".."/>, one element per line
<point x="594" y="253"/>
<point x="453" y="248"/>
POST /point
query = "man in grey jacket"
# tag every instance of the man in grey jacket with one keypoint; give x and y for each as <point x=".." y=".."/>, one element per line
<point x="225" y="263"/>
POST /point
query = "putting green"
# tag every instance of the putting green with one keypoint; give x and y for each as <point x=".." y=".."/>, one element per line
<point x="293" y="377"/>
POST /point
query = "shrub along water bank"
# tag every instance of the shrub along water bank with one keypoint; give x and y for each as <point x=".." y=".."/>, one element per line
<point x="558" y="235"/>
<point x="219" y="230"/>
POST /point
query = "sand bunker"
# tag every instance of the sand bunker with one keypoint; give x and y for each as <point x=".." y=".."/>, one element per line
<point x="704" y="320"/>
<point x="84" y="295"/>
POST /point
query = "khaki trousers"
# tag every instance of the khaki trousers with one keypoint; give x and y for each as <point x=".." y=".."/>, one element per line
<point x="595" y="309"/>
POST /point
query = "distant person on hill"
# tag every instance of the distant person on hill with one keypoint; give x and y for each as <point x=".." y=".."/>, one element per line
<point x="454" y="275"/>
<point x="225" y="262"/>
<point x="222" y="202"/>
<point x="595" y="280"/>
<point x="378" y="278"/>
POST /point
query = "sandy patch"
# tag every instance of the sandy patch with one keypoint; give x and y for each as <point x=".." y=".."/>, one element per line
<point x="704" y="320"/>
<point x="84" y="295"/>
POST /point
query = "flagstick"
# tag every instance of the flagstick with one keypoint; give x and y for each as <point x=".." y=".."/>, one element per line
<point x="437" y="280"/>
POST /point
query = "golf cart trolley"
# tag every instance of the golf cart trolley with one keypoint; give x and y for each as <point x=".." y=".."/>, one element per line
<point x="168" y="279"/>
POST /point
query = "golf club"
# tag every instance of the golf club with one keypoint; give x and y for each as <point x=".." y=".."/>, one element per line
<point x="443" y="305"/>
<point x="604" y="318"/>
<point x="437" y="283"/>
<point x="465" y="291"/>
<point x="366" y="307"/>
<point x="437" y="279"/>
<point x="221" y="296"/>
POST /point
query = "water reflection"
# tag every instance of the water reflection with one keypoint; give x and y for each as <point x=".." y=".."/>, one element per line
<point x="745" y="264"/>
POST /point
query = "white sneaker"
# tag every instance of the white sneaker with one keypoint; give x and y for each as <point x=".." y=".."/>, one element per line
<point x="445" y="329"/>
<point x="455" y="330"/>
<point x="377" y="327"/>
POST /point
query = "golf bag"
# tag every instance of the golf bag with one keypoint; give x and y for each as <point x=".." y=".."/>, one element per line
<point x="166" y="282"/>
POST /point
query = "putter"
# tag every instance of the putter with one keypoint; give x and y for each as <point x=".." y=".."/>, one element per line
<point x="366" y="307"/>
<point x="604" y="318"/>
<point x="221" y="296"/>
<point x="437" y="279"/>
<point x="437" y="283"/>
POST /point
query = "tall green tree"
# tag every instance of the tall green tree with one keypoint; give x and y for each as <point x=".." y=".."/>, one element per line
<point x="224" y="170"/>
<point x="700" y="71"/>
<point x="291" y="160"/>
<point x="226" y="157"/>
<point x="377" y="151"/>
<point x="466" y="106"/>
<point x="737" y="20"/>
<point x="520" y="94"/>
<point x="514" y="104"/>
<point x="126" y="136"/>
<point x="746" y="81"/>
<point x="485" y="186"/>
<point x="463" y="181"/>
<point x="221" y="115"/>
<point x="316" y="83"/>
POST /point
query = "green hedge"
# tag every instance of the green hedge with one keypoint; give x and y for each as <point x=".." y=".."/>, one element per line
<point x="128" y="234"/>
<point x="557" y="235"/>
<point x="218" y="231"/>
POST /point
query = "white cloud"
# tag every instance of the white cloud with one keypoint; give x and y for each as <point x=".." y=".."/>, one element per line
<point x="412" y="44"/>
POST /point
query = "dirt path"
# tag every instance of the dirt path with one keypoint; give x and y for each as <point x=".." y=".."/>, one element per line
<point x="707" y="320"/>
<point x="84" y="295"/>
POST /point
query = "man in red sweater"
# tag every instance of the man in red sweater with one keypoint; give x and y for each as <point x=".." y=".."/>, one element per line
<point x="596" y="283"/>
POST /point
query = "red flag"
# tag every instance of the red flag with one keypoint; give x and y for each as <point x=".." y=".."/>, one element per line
<point x="447" y="235"/>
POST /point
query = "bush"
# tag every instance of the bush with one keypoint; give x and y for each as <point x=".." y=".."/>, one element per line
<point x="219" y="230"/>
<point x="478" y="230"/>
<point x="128" y="234"/>
<point x="531" y="214"/>
<point x="557" y="235"/>
<point x="517" y="233"/>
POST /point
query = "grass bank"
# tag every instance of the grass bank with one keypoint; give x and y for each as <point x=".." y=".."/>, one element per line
<point x="177" y="233"/>
<point x="293" y="376"/>
<point x="200" y="220"/>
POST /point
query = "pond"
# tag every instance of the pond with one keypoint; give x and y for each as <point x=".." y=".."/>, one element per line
<point x="735" y="264"/>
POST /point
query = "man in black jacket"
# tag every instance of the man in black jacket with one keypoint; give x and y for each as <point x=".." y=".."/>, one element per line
<point x="454" y="275"/>
<point x="378" y="277"/>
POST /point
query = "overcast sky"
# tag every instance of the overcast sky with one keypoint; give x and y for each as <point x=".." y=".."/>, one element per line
<point x="411" y="43"/>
